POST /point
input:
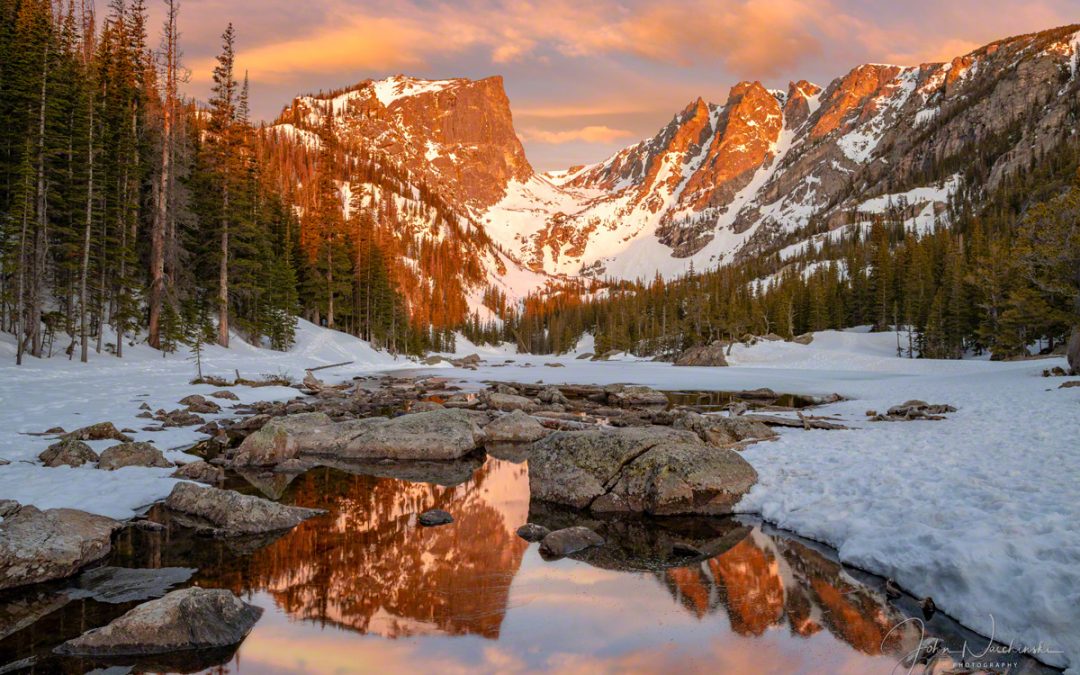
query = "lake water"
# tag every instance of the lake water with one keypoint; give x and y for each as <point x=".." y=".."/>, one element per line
<point x="365" y="589"/>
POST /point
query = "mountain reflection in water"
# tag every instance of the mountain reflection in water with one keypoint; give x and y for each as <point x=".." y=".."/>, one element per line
<point x="365" y="588"/>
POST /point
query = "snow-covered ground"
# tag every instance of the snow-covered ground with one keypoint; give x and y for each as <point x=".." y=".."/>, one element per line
<point x="980" y="511"/>
<point x="47" y="393"/>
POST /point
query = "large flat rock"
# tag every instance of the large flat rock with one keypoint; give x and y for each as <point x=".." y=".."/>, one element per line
<point x="232" y="513"/>
<point x="187" y="619"/>
<point x="38" y="546"/>
<point x="654" y="470"/>
<point x="435" y="435"/>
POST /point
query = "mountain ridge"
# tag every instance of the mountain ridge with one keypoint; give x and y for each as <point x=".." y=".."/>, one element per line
<point x="719" y="181"/>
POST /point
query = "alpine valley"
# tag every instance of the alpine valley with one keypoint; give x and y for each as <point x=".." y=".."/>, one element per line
<point x="763" y="172"/>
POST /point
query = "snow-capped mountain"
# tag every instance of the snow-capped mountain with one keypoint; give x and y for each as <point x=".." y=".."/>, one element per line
<point x="720" y="180"/>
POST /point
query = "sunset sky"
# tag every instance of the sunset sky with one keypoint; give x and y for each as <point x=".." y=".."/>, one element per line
<point x="586" y="78"/>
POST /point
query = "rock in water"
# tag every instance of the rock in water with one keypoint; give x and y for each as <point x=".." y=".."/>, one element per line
<point x="634" y="396"/>
<point x="1074" y="351"/>
<point x="517" y="427"/>
<point x="190" y="618"/>
<point x="435" y="517"/>
<point x="508" y="402"/>
<point x="704" y="355"/>
<point x="133" y="454"/>
<point x="233" y="513"/>
<point x="98" y="432"/>
<point x="201" y="472"/>
<point x="440" y="434"/>
<point x="652" y="470"/>
<point x="69" y="452"/>
<point x="38" y="546"/>
<point x="116" y="585"/>
<point x="280" y="439"/>
<point x="532" y="532"/>
<point x="569" y="540"/>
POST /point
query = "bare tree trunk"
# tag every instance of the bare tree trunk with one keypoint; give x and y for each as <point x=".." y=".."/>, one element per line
<point x="223" y="273"/>
<point x="40" y="239"/>
<point x="84" y="270"/>
<point x="157" y="235"/>
<point x="20" y="297"/>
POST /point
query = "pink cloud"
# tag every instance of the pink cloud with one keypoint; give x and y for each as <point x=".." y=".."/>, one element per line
<point x="588" y="134"/>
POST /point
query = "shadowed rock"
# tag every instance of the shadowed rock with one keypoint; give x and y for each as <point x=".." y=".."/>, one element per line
<point x="723" y="431"/>
<point x="68" y="452"/>
<point x="704" y="355"/>
<point x="187" y="619"/>
<point x="233" y="513"/>
<point x="133" y="454"/>
<point x="116" y="585"/>
<point x="38" y="546"/>
<point x="569" y="540"/>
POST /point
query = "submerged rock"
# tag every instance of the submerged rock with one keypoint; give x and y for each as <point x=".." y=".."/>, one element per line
<point x="133" y="454"/>
<point x="116" y="585"/>
<point x="435" y="517"/>
<point x="191" y="618"/>
<point x="517" y="427"/>
<point x="652" y="470"/>
<point x="704" y="355"/>
<point x="201" y="472"/>
<point x="569" y="540"/>
<point x="232" y="513"/>
<point x="69" y="452"/>
<point x="532" y="532"/>
<point x="38" y="546"/>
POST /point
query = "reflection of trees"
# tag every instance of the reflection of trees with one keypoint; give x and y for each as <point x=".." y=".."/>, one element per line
<point x="369" y="567"/>
<point x="764" y="581"/>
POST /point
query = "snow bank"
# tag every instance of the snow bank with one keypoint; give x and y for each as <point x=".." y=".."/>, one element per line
<point x="57" y="392"/>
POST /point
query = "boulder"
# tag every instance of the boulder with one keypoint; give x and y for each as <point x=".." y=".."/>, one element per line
<point x="653" y="470"/>
<point x="435" y="517"/>
<point x="231" y="513"/>
<point x="723" y="431"/>
<point x="225" y="395"/>
<point x="508" y="402"/>
<point x="38" y="546"/>
<point x="1073" y="352"/>
<point x="532" y="532"/>
<point x="68" y="452"/>
<point x="180" y="418"/>
<point x="552" y="395"/>
<point x="201" y="472"/>
<point x="569" y="540"/>
<point x="440" y="434"/>
<point x="425" y="406"/>
<point x="133" y="454"/>
<point x="203" y="406"/>
<point x="704" y="355"/>
<point x="634" y="396"/>
<point x="8" y="507"/>
<point x="98" y="432"/>
<point x="187" y="619"/>
<point x="804" y="339"/>
<point x="280" y="439"/>
<point x="517" y="427"/>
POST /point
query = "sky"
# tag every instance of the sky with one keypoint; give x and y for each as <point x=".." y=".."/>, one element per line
<point x="586" y="78"/>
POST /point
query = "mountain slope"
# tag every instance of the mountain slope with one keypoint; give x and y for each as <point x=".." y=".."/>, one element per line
<point x="763" y="171"/>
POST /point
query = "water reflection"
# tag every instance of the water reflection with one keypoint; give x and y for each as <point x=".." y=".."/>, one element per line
<point x="691" y="594"/>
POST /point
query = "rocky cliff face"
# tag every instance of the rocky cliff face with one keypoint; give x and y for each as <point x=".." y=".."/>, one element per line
<point x="458" y="134"/>
<point x="725" y="181"/>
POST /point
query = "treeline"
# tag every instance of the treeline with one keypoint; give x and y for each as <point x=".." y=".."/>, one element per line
<point x="1000" y="272"/>
<point x="130" y="213"/>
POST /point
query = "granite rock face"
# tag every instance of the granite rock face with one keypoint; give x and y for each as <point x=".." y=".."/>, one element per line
<point x="38" y="546"/>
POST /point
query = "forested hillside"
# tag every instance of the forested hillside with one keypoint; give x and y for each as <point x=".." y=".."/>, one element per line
<point x="996" y="272"/>
<point x="129" y="212"/>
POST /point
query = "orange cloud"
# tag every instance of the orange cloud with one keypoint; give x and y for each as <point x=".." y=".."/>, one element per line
<point x="589" y="134"/>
